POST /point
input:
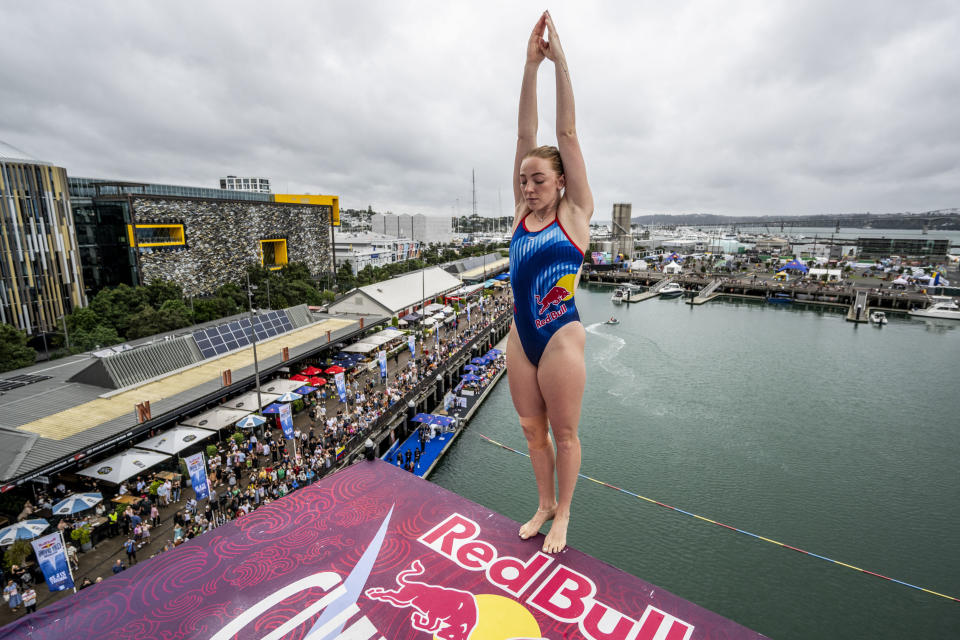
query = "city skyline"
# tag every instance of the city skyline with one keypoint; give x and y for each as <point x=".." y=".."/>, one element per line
<point x="749" y="109"/>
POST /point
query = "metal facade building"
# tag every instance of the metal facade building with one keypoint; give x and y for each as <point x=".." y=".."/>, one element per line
<point x="40" y="275"/>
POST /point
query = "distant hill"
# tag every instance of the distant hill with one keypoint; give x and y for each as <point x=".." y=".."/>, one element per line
<point x="947" y="219"/>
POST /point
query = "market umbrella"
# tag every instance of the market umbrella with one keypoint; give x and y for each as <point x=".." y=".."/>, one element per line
<point x="470" y="378"/>
<point x="300" y="378"/>
<point x="494" y="352"/>
<point x="75" y="503"/>
<point x="480" y="361"/>
<point x="289" y="396"/>
<point x="471" y="367"/>
<point x="23" y="530"/>
<point x="251" y="422"/>
<point x="273" y="408"/>
<point x="310" y="371"/>
<point x="333" y="370"/>
<point x="317" y="382"/>
<point x="305" y="389"/>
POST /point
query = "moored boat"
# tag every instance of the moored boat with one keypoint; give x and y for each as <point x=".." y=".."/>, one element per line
<point x="620" y="294"/>
<point x="878" y="317"/>
<point x="671" y="290"/>
<point x="942" y="307"/>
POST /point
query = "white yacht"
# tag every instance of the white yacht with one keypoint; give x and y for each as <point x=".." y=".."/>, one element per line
<point x="620" y="294"/>
<point x="878" y="317"/>
<point x="671" y="290"/>
<point x="942" y="307"/>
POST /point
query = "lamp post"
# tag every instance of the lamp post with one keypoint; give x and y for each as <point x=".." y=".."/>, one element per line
<point x="253" y="341"/>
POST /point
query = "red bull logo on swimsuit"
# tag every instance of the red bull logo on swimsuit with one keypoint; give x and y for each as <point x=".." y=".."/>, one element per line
<point x="555" y="297"/>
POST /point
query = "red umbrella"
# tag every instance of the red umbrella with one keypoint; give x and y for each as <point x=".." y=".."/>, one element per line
<point x="311" y="371"/>
<point x="334" y="369"/>
<point x="318" y="382"/>
<point x="300" y="378"/>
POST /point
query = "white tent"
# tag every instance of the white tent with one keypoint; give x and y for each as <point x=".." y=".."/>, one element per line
<point x="378" y="339"/>
<point x="429" y="322"/>
<point x="433" y="308"/>
<point x="176" y="440"/>
<point x="126" y="465"/>
<point x="672" y="267"/>
<point x="280" y="385"/>
<point x="391" y="332"/>
<point x="360" y="347"/>
<point x="638" y="265"/>
<point x="248" y="401"/>
<point x="218" y="418"/>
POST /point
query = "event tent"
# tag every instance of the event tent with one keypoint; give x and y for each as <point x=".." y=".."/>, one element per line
<point x="794" y="265"/>
<point x="359" y="347"/>
<point x="125" y="465"/>
<point x="175" y="440"/>
<point x="249" y="400"/>
<point x="219" y="418"/>
<point x="672" y="267"/>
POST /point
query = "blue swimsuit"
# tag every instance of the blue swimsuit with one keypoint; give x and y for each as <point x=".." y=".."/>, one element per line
<point x="543" y="268"/>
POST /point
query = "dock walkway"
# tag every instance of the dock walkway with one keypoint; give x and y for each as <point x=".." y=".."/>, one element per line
<point x="652" y="292"/>
<point x="858" y="308"/>
<point x="707" y="293"/>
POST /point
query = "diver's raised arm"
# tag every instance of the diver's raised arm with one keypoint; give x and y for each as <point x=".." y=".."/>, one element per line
<point x="527" y="119"/>
<point x="577" y="189"/>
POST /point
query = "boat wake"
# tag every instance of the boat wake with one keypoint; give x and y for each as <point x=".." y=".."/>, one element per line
<point x="606" y="358"/>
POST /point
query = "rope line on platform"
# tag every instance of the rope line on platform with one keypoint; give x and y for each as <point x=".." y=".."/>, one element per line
<point x="726" y="526"/>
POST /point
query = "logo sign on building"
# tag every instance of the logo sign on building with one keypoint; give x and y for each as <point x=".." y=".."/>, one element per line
<point x="341" y="386"/>
<point x="286" y="419"/>
<point x="382" y="357"/>
<point x="372" y="563"/>
<point x="197" y="468"/>
<point x="52" y="557"/>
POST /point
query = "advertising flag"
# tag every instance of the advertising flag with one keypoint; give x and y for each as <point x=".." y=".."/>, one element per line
<point x="286" y="419"/>
<point x="468" y="313"/>
<point x="52" y="556"/>
<point x="382" y="357"/>
<point x="411" y="341"/>
<point x="341" y="386"/>
<point x="197" y="468"/>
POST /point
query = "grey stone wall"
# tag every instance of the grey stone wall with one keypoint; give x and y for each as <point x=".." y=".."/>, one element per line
<point x="224" y="236"/>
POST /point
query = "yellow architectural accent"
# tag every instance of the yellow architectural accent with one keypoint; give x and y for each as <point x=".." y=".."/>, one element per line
<point x="277" y="249"/>
<point x="175" y="235"/>
<point x="91" y="414"/>
<point x="328" y="201"/>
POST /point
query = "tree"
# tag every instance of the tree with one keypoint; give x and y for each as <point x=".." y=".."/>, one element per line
<point x="174" y="315"/>
<point x="345" y="277"/>
<point x="159" y="291"/>
<point x="146" y="322"/>
<point x="117" y="306"/>
<point x="14" y="352"/>
<point x="96" y="337"/>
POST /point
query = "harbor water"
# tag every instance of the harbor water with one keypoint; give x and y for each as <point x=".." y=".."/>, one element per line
<point x="785" y="421"/>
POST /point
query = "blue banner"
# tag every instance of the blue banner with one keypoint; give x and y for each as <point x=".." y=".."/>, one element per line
<point x="52" y="557"/>
<point x="197" y="468"/>
<point x="468" y="313"/>
<point x="286" y="419"/>
<point x="436" y="338"/>
<point x="341" y="386"/>
<point x="382" y="357"/>
<point x="411" y="341"/>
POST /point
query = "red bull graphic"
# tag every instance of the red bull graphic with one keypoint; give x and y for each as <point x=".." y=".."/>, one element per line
<point x="372" y="553"/>
<point x="555" y="297"/>
<point x="449" y="614"/>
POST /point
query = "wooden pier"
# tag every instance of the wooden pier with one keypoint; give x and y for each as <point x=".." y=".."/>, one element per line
<point x="652" y="292"/>
<point x="858" y="308"/>
<point x="707" y="293"/>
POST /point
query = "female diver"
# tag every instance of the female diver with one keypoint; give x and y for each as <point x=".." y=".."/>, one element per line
<point x="551" y="230"/>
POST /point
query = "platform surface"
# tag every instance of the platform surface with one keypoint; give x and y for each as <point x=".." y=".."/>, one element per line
<point x="372" y="552"/>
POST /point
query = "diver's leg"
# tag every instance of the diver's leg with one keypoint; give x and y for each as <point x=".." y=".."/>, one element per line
<point x="562" y="377"/>
<point x="525" y="392"/>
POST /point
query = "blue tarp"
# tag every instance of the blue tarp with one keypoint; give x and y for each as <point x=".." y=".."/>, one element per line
<point x="794" y="265"/>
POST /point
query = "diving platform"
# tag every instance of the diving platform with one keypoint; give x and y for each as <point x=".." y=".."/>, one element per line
<point x="652" y="292"/>
<point x="858" y="311"/>
<point x="707" y="293"/>
<point x="373" y="553"/>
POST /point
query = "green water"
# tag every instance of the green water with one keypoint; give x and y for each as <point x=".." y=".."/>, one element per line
<point x="787" y="422"/>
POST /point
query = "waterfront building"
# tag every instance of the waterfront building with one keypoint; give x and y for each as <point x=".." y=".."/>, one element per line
<point x="622" y="239"/>
<point x="925" y="248"/>
<point x="397" y="296"/>
<point x="417" y="226"/>
<point x="201" y="238"/>
<point x="372" y="249"/>
<point x="40" y="275"/>
<point x="233" y="183"/>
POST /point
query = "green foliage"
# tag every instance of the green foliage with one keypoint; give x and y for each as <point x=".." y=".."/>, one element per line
<point x="117" y="306"/>
<point x="156" y="484"/>
<point x="345" y="277"/>
<point x="207" y="309"/>
<point x="211" y="451"/>
<point x="16" y="553"/>
<point x="297" y="406"/>
<point x="395" y="321"/>
<point x="81" y="533"/>
<point x="98" y="337"/>
<point x="14" y="352"/>
<point x="237" y="437"/>
<point x="160" y="291"/>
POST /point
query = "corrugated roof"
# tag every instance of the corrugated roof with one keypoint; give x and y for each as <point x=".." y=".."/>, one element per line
<point x="409" y="289"/>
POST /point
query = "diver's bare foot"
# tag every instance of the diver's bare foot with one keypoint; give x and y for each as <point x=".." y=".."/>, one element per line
<point x="556" y="539"/>
<point x="533" y="525"/>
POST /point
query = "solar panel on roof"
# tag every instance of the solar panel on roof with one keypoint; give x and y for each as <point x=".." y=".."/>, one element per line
<point x="6" y="385"/>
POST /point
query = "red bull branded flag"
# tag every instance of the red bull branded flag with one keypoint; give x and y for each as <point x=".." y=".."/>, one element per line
<point x="372" y="553"/>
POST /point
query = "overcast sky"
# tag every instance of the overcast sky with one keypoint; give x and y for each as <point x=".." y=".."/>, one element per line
<point x="737" y="108"/>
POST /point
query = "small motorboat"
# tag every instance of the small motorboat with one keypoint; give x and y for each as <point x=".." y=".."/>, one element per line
<point x="671" y="290"/>
<point x="620" y="294"/>
<point x="612" y="320"/>
<point x="942" y="307"/>
<point x="780" y="297"/>
<point x="878" y="317"/>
